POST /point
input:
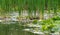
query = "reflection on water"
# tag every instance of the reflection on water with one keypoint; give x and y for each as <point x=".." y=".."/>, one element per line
<point x="15" y="28"/>
<point x="11" y="26"/>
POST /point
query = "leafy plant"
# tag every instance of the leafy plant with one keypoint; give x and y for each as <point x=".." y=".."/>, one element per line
<point x="48" y="26"/>
<point x="56" y="18"/>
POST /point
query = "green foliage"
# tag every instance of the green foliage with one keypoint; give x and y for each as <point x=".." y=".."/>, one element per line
<point x="49" y="26"/>
<point x="32" y="6"/>
<point x="56" y="18"/>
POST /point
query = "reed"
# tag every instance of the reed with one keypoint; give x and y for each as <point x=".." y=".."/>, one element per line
<point x="30" y="5"/>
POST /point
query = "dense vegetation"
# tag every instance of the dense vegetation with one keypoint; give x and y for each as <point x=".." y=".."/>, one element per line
<point x="32" y="7"/>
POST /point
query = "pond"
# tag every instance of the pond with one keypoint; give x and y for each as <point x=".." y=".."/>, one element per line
<point x="13" y="29"/>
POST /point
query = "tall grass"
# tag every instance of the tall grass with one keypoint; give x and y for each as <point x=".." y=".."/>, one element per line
<point x="29" y="5"/>
<point x="55" y="6"/>
<point x="7" y="6"/>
